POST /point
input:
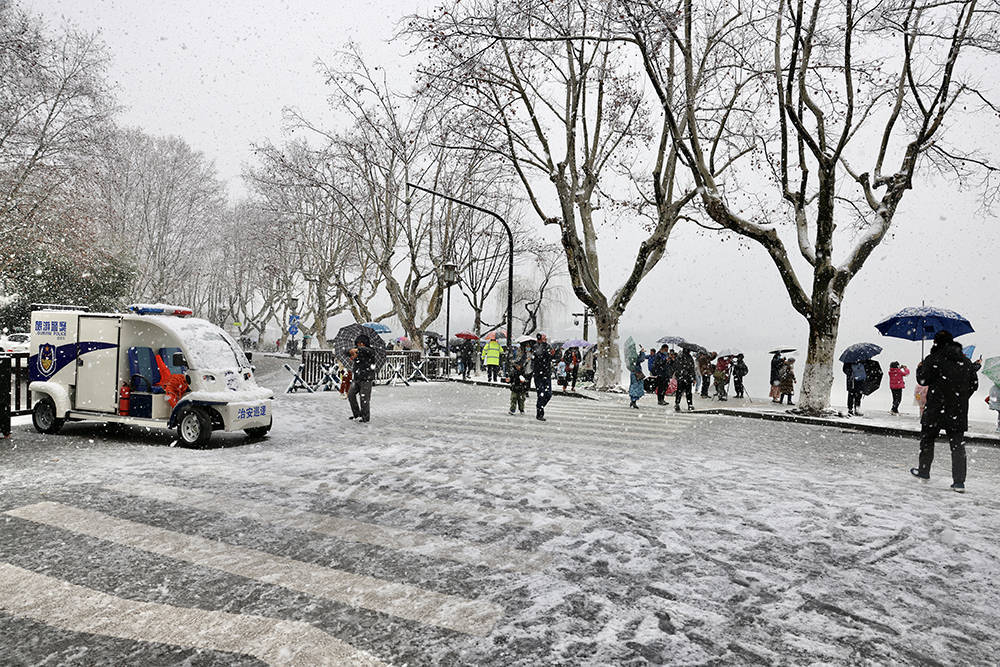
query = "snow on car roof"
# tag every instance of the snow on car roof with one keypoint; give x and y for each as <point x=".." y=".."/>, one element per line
<point x="208" y="347"/>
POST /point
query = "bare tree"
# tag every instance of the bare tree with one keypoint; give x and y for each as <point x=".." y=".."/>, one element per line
<point x="839" y="104"/>
<point x="292" y="184"/>
<point x="159" y="202"/>
<point x="55" y="107"/>
<point x="574" y="126"/>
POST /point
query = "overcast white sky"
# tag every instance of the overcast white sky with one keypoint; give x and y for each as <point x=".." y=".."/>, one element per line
<point x="218" y="74"/>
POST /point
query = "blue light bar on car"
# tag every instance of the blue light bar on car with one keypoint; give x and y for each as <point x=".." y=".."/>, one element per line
<point x="159" y="309"/>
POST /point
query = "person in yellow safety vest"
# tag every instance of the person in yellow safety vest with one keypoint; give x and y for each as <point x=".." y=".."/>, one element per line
<point x="491" y="357"/>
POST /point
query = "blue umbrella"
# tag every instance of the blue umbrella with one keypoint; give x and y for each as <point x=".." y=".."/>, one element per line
<point x="969" y="351"/>
<point x="860" y="352"/>
<point x="922" y="322"/>
<point x="377" y="327"/>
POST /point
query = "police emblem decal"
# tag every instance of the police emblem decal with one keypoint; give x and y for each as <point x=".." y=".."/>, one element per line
<point x="47" y="359"/>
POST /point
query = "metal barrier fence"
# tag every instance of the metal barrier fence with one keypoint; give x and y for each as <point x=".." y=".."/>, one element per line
<point x="403" y="365"/>
<point x="14" y="397"/>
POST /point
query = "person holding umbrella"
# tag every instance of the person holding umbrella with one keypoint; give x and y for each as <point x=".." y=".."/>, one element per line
<point x="363" y="377"/>
<point x="685" y="370"/>
<point x="777" y="363"/>
<point x="951" y="380"/>
<point x="863" y="374"/>
<point x="467" y="355"/>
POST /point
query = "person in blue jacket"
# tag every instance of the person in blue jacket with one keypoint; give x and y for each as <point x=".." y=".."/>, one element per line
<point x="636" y="390"/>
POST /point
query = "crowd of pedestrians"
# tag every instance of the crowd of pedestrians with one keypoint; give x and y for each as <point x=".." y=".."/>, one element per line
<point x="946" y="380"/>
<point x="675" y="372"/>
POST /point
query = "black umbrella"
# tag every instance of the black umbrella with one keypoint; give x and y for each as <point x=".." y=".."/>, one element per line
<point x="873" y="377"/>
<point x="432" y="334"/>
<point x="781" y="350"/>
<point x="671" y="340"/>
<point x="345" y="338"/>
<point x="860" y="352"/>
<point x="694" y="347"/>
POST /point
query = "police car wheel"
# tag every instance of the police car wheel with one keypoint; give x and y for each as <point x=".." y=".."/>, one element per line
<point x="43" y="416"/>
<point x="194" y="427"/>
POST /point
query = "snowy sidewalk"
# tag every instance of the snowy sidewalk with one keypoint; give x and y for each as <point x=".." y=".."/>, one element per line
<point x="873" y="421"/>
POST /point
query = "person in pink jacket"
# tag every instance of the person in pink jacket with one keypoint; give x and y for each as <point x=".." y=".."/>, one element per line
<point x="897" y="384"/>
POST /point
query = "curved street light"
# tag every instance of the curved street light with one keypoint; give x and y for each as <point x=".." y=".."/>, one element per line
<point x="510" y="241"/>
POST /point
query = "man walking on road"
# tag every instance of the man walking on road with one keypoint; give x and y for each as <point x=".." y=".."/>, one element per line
<point x="361" y="382"/>
<point x="951" y="380"/>
<point x="541" y="367"/>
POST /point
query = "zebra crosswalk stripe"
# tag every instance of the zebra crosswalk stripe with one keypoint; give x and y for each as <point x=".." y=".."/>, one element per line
<point x="407" y="501"/>
<point x="67" y="606"/>
<point x="396" y="599"/>
<point x="347" y="529"/>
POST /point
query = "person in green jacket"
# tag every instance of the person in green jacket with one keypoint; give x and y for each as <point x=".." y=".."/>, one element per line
<point x="491" y="357"/>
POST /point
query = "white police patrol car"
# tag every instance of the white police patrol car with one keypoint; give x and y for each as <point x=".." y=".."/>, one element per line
<point x="153" y="366"/>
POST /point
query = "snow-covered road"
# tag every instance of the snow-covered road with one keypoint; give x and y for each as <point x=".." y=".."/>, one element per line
<point x="447" y="532"/>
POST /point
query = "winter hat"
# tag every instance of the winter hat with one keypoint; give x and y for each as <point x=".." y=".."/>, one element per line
<point x="943" y="338"/>
<point x="894" y="364"/>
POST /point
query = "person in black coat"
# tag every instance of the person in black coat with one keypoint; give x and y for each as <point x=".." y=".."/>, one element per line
<point x="684" y="369"/>
<point x="777" y="363"/>
<point x="362" y="379"/>
<point x="468" y="355"/>
<point x="541" y="369"/>
<point x="740" y="371"/>
<point x="660" y="363"/>
<point x="951" y="380"/>
<point x="856" y="377"/>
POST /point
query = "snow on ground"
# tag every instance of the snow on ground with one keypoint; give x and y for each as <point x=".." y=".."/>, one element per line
<point x="447" y="532"/>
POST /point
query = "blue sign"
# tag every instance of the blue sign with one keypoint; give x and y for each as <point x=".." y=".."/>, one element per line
<point x="293" y="330"/>
<point x="292" y="319"/>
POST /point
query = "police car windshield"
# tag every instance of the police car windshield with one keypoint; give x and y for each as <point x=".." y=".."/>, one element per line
<point x="208" y="347"/>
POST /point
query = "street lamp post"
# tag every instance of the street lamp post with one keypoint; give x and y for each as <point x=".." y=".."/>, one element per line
<point x="586" y="315"/>
<point x="510" y="263"/>
<point x="450" y="275"/>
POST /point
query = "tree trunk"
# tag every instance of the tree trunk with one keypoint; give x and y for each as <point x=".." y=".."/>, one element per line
<point x="818" y="376"/>
<point x="609" y="364"/>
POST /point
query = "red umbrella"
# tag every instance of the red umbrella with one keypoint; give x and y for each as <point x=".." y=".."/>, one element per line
<point x="466" y="335"/>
